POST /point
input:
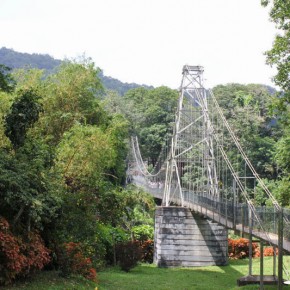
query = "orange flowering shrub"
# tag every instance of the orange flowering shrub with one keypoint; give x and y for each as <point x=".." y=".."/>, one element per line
<point x="268" y="251"/>
<point x="72" y="261"/>
<point x="19" y="258"/>
<point x="147" y="249"/>
<point x="239" y="248"/>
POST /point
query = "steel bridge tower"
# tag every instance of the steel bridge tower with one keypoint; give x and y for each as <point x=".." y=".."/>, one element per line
<point x="192" y="143"/>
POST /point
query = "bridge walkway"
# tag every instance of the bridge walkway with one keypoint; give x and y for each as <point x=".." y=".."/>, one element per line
<point x="230" y="222"/>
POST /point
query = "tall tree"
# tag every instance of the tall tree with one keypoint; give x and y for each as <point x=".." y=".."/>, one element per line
<point x="7" y="82"/>
<point x="279" y="55"/>
<point x="70" y="98"/>
<point x="246" y="109"/>
<point x="151" y="113"/>
<point x="24" y="113"/>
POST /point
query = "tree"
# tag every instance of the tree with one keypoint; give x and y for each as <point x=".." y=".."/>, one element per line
<point x="70" y="98"/>
<point x="83" y="156"/>
<point x="24" y="113"/>
<point x="151" y="113"/>
<point x="5" y="104"/>
<point x="279" y="55"/>
<point x="246" y="110"/>
<point x="7" y="82"/>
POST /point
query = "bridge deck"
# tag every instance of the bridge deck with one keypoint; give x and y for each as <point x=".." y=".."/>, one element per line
<point x="269" y="237"/>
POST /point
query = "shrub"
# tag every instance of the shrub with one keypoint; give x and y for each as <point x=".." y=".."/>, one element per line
<point x="147" y="248"/>
<point x="268" y="251"/>
<point x="37" y="253"/>
<point x="13" y="262"/>
<point x="239" y="248"/>
<point x="72" y="261"/>
<point x="128" y="255"/>
<point x="19" y="258"/>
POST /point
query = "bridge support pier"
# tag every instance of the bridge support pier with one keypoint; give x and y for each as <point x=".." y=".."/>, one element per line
<point x="186" y="239"/>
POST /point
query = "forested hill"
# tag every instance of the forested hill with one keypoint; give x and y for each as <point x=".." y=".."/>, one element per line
<point x="14" y="59"/>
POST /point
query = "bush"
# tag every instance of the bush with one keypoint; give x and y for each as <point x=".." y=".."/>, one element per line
<point x="239" y="248"/>
<point x="268" y="251"/>
<point x="128" y="255"/>
<point x="147" y="248"/>
<point x="19" y="258"/>
<point x="72" y="261"/>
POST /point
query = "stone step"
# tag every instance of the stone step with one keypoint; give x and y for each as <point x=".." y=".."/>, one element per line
<point x="190" y="263"/>
<point x="183" y="220"/>
<point x="190" y="237"/>
<point x="189" y="226"/>
<point x="186" y="231"/>
<point x="192" y="253"/>
<point x="190" y="258"/>
<point x="192" y="243"/>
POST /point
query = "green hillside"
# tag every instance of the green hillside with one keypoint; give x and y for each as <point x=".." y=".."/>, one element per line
<point x="14" y="59"/>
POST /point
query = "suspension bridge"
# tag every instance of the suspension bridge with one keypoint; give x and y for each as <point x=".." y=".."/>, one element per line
<point x="207" y="185"/>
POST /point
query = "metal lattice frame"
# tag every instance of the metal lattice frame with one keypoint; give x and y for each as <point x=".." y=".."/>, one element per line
<point x="192" y="114"/>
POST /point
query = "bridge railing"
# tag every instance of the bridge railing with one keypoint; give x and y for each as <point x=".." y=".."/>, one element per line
<point x="234" y="214"/>
<point x="265" y="218"/>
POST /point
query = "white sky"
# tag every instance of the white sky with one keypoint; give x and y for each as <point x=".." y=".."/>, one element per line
<point x="147" y="41"/>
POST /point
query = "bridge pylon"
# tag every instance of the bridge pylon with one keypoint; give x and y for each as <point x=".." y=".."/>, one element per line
<point x="191" y="161"/>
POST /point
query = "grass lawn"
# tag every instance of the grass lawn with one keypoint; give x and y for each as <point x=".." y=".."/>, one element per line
<point x="149" y="277"/>
<point x="198" y="278"/>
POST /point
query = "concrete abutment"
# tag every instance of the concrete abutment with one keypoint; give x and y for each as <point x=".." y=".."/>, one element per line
<point x="186" y="239"/>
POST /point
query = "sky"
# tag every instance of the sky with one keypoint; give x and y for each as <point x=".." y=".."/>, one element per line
<point x="147" y="41"/>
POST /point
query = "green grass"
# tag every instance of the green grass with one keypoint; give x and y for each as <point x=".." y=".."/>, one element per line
<point x="50" y="280"/>
<point x="149" y="277"/>
<point x="198" y="278"/>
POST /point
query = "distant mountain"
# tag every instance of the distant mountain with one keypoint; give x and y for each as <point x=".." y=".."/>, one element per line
<point x="14" y="59"/>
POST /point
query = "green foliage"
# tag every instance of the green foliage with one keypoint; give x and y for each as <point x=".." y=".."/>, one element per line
<point x="118" y="130"/>
<point x="246" y="109"/>
<point x="137" y="208"/>
<point x="282" y="191"/>
<point x="279" y="188"/>
<point x="7" y="82"/>
<point x="71" y="99"/>
<point x="24" y="113"/>
<point x="26" y="196"/>
<point x="83" y="156"/>
<point x="151" y="114"/>
<point x="282" y="155"/>
<point x="29" y="80"/>
<point x="143" y="232"/>
<point x="279" y="56"/>
<point x="5" y="104"/>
